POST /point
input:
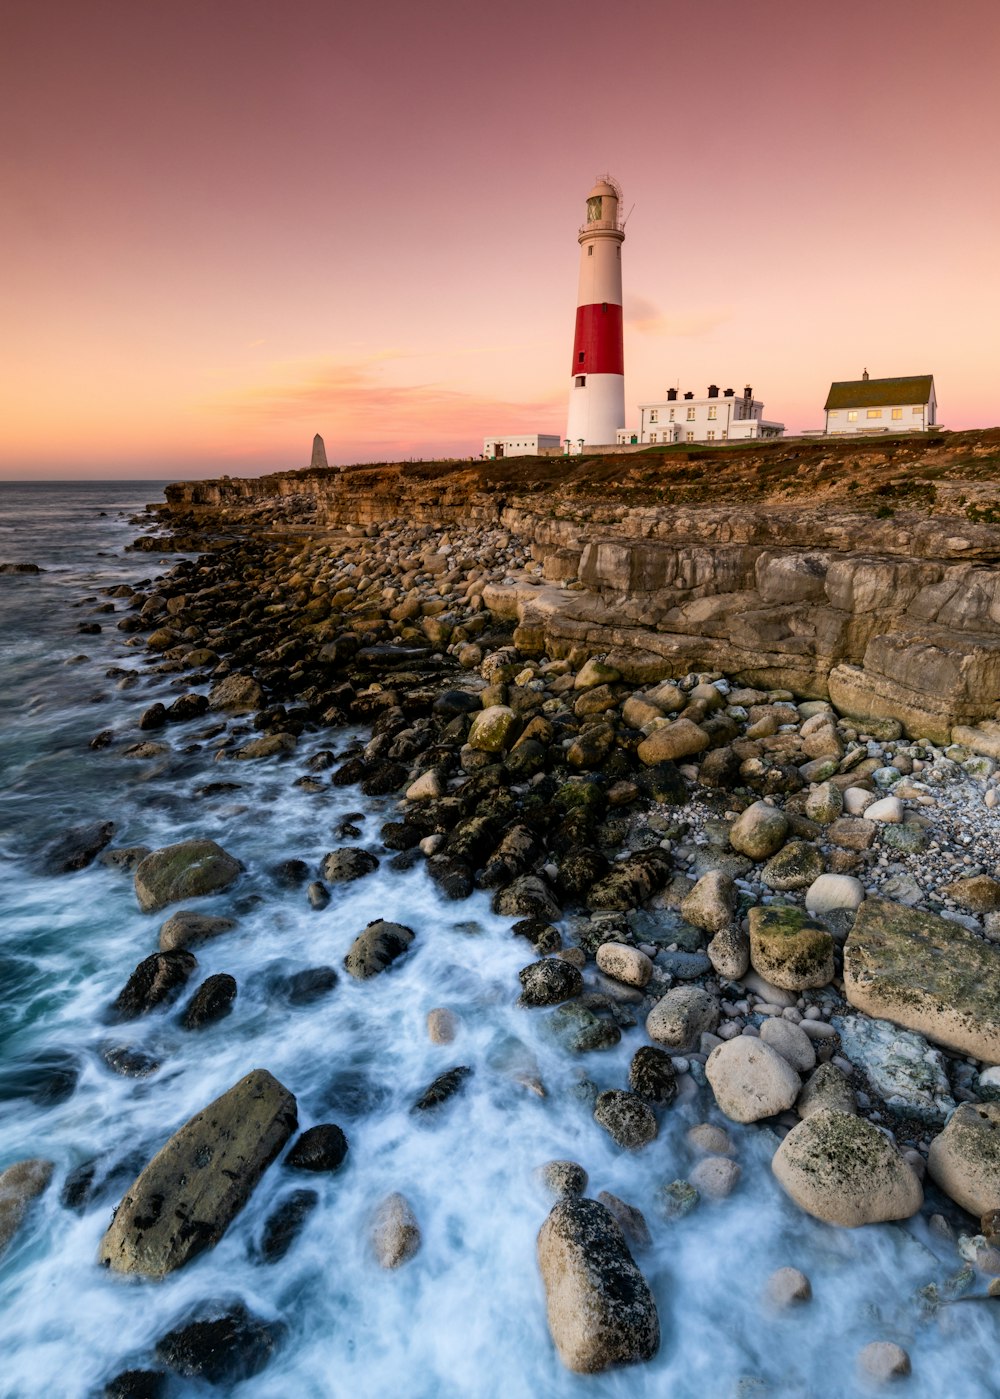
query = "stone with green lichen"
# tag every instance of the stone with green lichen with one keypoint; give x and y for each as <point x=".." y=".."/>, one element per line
<point x="910" y="838"/>
<point x="926" y="974"/>
<point x="579" y="1030"/>
<point x="675" y="1200"/>
<point x="842" y="1170"/>
<point x="183" y="871"/>
<point x="494" y="729"/>
<point x="796" y="866"/>
<point x="788" y="949"/>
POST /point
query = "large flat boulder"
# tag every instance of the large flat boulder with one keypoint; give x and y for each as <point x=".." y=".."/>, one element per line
<point x="600" y="1309"/>
<point x="183" y="871"/>
<point x="926" y="974"/>
<point x="193" y="1188"/>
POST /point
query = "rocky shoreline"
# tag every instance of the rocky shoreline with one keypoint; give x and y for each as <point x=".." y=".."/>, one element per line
<point x="792" y="914"/>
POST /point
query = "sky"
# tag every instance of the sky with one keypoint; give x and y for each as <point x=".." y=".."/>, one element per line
<point x="229" y="224"/>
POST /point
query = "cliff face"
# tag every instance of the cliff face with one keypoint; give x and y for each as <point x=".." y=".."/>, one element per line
<point x="868" y="575"/>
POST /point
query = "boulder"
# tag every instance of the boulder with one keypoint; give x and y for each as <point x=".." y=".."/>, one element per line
<point x="624" y="963"/>
<point x="711" y="904"/>
<point x="729" y="952"/>
<point x="321" y="1148"/>
<point x="786" y="948"/>
<point x="926" y="974"/>
<point x="759" y="832"/>
<point x="284" y="1224"/>
<point x="751" y="1080"/>
<point x="841" y="1169"/>
<point x="682" y="1016"/>
<point x="345" y="865"/>
<point x="494" y="730"/>
<point x="221" y="1350"/>
<point x="187" y="929"/>
<point x="826" y="1088"/>
<point x="667" y="742"/>
<point x="395" y="1233"/>
<point x="376" y="948"/>
<point x="600" y="1310"/>
<point x="651" y="1074"/>
<point x="549" y="981"/>
<point x="236" y="694"/>
<point x="191" y="1191"/>
<point x="627" y="1120"/>
<point x="156" y="980"/>
<point x="188" y="870"/>
<point x="19" y="1185"/>
<point x="212" y="1001"/>
<point x="964" y="1160"/>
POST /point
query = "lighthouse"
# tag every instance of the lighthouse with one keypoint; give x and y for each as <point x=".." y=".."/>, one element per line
<point x="597" y="386"/>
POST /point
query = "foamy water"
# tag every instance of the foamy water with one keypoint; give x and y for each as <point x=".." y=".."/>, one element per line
<point x="466" y="1317"/>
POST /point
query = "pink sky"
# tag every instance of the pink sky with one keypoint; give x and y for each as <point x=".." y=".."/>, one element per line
<point x="229" y="225"/>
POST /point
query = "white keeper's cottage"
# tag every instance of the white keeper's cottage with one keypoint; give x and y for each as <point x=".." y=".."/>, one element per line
<point x="714" y="418"/>
<point x="881" y="405"/>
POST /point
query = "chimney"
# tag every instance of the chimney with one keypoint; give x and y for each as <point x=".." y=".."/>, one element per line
<point x="864" y="374"/>
<point x="748" y="393"/>
<point x="671" y="395"/>
<point x="728" y="393"/>
<point x="713" y="391"/>
<point x="689" y="394"/>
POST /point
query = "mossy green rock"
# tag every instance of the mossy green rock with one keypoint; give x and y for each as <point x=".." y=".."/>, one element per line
<point x="788" y="949"/>
<point x="926" y="974"/>
<point x="494" y="729"/>
<point x="795" y="866"/>
<point x="841" y="1169"/>
<point x="183" y="871"/>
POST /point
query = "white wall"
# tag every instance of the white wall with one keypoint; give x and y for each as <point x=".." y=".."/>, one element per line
<point x="703" y="420"/>
<point x="596" y="410"/>
<point x="527" y="444"/>
<point x="839" y="421"/>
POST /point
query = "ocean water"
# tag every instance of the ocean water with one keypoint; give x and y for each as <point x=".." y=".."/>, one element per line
<point x="465" y="1319"/>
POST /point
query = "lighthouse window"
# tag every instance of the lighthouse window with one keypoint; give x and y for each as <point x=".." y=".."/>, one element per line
<point x="604" y="307"/>
<point x="580" y="356"/>
<point x="581" y="379"/>
<point x="590" y="250"/>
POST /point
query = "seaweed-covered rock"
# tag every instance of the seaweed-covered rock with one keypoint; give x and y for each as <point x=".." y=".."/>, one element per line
<point x="320" y="1148"/>
<point x="156" y="980"/>
<point x="442" y="1088"/>
<point x="651" y="1074"/>
<point x="626" y="1118"/>
<point x="212" y="1001"/>
<point x="347" y="864"/>
<point x="548" y="982"/>
<point x="285" y="1223"/>
<point x="788" y="949"/>
<point x="797" y="865"/>
<point x="220" y="1349"/>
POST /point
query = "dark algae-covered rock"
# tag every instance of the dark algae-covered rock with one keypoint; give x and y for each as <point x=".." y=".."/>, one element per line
<point x="651" y="1074"/>
<point x="190" y="1192"/>
<point x="157" y="979"/>
<point x="548" y="982"/>
<point x="212" y="1001"/>
<point x="222" y="1349"/>
<point x="376" y="948"/>
<point x="601" y="1312"/>
<point x="77" y="848"/>
<point x="445" y="1086"/>
<point x="137" y="1384"/>
<point x="320" y="1148"/>
<point x="285" y="1223"/>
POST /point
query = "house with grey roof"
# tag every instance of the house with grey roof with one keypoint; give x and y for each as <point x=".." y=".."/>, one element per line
<point x="881" y="405"/>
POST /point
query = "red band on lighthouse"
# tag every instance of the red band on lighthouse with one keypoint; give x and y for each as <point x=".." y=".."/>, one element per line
<point x="598" y="346"/>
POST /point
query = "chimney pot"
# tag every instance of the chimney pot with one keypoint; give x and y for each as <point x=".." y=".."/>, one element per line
<point x="713" y="391"/>
<point x="671" y="395"/>
<point x="729" y="393"/>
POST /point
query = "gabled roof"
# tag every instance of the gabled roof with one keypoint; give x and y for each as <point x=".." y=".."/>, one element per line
<point x="880" y="393"/>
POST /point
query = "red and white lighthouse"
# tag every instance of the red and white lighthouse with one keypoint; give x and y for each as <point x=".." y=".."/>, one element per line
<point x="597" y="388"/>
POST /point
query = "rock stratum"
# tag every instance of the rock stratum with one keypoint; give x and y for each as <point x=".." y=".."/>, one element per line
<point x="866" y="573"/>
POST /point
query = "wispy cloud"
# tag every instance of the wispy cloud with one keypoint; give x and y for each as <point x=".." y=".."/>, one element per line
<point x="647" y="318"/>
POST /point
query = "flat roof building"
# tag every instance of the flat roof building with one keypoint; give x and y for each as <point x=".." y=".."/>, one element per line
<point x="524" y="444"/>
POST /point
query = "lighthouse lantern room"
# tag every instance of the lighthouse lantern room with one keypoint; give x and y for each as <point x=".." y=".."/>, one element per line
<point x="597" y="386"/>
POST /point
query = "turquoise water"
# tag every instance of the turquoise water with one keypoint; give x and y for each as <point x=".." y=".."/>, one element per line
<point x="466" y="1317"/>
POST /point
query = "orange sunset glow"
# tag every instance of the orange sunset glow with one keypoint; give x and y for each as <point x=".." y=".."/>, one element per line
<point x="229" y="226"/>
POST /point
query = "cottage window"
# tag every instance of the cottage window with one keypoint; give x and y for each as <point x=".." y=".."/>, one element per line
<point x="874" y="412"/>
<point x="897" y="412"/>
<point x="834" y="413"/>
<point x="654" y="415"/>
<point x="917" y="408"/>
<point x="671" y="415"/>
<point x="652" y="437"/>
<point x="690" y="416"/>
<point x="711" y="434"/>
<point x="713" y="412"/>
<point x="689" y="437"/>
<point x="852" y="416"/>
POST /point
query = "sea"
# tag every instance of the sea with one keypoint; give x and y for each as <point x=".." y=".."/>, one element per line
<point x="466" y="1317"/>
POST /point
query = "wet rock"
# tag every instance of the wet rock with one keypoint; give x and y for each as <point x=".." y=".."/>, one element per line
<point x="236" y="694"/>
<point x="631" y="1221"/>
<point x="624" y="963"/>
<point x="631" y="881"/>
<point x="527" y="897"/>
<point x="453" y="877"/>
<point x="668" y="742"/>
<point x="900" y="1066"/>
<point x="127" y="857"/>
<point x="377" y="948"/>
<point x="579" y="1029"/>
<point x="675" y="1200"/>
<point x="797" y="865"/>
<point x="290" y="874"/>
<point x="926" y="974"/>
<point x="708" y="1140"/>
<point x="271" y="745"/>
<point x="347" y="864"/>
<point x="186" y="707"/>
<point x="20" y="1184"/>
<point x="318" y="895"/>
<point x="759" y="832"/>
<point x="964" y="1160"/>
<point x="787" y="1287"/>
<point x="47" y="1077"/>
<point x="651" y="1074"/>
<point x="442" y="1088"/>
<point x="77" y="848"/>
<point x="750" y="1080"/>
<point x="130" y="1063"/>
<point x="600" y="1310"/>
<point x="715" y="1177"/>
<point x="562" y="1178"/>
<point x="548" y="982"/>
<point x="789" y="950"/>
<point x="628" y="1121"/>
<point x="155" y="717"/>
<point x="305" y="987"/>
<point x="190" y="1192"/>
<point x="187" y="870"/>
<point x="883" y="1362"/>
<point x="187" y="929"/>
<point x="842" y="1170"/>
<point x="137" y="1384"/>
<point x="579" y="869"/>
<point x="826" y="1088"/>
<point x="20" y="568"/>
<point x="321" y="1148"/>
<point x="442" y="1025"/>
<point x="682" y="1016"/>
<point x="494" y="730"/>
<point x="395" y="1233"/>
<point x="212" y="1001"/>
<point x="156" y="981"/>
<point x="221" y="1350"/>
<point x="729" y="952"/>
<point x="285" y="1223"/>
<point x="711" y="904"/>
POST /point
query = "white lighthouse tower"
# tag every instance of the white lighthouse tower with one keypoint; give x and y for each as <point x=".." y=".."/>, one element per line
<point x="597" y="386"/>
